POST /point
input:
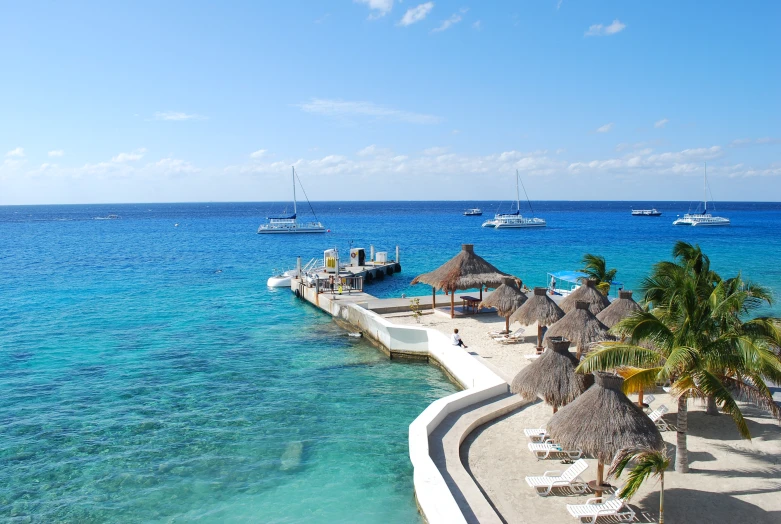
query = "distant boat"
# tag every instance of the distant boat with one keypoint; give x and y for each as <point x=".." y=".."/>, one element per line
<point x="702" y="218"/>
<point x="474" y="212"/>
<point x="515" y="220"/>
<point x="108" y="217"/>
<point x="290" y="223"/>
<point x="646" y="213"/>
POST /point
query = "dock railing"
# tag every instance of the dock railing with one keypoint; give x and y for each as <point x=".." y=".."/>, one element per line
<point x="346" y="284"/>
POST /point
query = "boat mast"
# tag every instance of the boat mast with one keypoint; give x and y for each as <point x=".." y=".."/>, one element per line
<point x="295" y="211"/>
<point x="517" y="193"/>
<point x="706" y="189"/>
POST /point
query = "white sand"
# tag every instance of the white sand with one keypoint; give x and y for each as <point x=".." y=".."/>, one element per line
<point x="731" y="480"/>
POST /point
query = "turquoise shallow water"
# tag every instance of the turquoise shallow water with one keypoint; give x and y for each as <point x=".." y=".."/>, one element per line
<point x="148" y="374"/>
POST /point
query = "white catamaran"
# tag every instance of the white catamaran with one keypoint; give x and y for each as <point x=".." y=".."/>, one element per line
<point x="702" y="219"/>
<point x="515" y="220"/>
<point x="290" y="223"/>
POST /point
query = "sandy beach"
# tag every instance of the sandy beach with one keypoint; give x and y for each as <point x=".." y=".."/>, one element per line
<point x="731" y="479"/>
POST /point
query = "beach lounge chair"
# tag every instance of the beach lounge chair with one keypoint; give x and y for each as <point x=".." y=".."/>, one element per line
<point x="536" y="434"/>
<point x="647" y="400"/>
<point x="543" y="450"/>
<point x="555" y="479"/>
<point x="657" y="416"/>
<point x="596" y="507"/>
<point x="515" y="336"/>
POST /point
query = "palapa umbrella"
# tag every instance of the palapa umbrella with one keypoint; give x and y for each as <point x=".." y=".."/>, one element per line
<point x="587" y="291"/>
<point x="552" y="377"/>
<point x="619" y="309"/>
<point x="464" y="271"/>
<point x="601" y="422"/>
<point x="581" y="327"/>
<point x="540" y="309"/>
<point x="507" y="298"/>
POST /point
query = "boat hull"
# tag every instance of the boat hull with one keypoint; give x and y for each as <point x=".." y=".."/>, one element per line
<point x="290" y="231"/>
<point x="279" y="281"/>
<point x="519" y="226"/>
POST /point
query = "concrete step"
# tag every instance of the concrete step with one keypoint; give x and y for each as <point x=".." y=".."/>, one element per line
<point x="445" y="448"/>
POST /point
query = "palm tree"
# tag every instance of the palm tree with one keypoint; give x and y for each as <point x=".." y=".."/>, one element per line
<point x="695" y="339"/>
<point x="595" y="267"/>
<point x="648" y="462"/>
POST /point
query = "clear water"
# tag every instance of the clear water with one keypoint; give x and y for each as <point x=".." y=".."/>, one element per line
<point x="148" y="375"/>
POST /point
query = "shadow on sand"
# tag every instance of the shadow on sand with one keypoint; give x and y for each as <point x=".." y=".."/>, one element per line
<point x="687" y="505"/>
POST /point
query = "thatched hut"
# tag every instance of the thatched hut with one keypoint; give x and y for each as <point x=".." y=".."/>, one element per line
<point x="506" y="299"/>
<point x="581" y="327"/>
<point x="552" y="377"/>
<point x="540" y="309"/>
<point x="466" y="270"/>
<point x="619" y="309"/>
<point x="587" y="291"/>
<point x="601" y="422"/>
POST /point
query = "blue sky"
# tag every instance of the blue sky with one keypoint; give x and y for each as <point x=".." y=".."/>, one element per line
<point x="383" y="99"/>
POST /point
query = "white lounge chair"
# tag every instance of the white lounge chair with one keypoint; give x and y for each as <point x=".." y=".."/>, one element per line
<point x="657" y="416"/>
<point x="536" y="434"/>
<point x="596" y="507"/>
<point x="515" y="336"/>
<point x="556" y="479"/>
<point x="543" y="450"/>
<point x="647" y="400"/>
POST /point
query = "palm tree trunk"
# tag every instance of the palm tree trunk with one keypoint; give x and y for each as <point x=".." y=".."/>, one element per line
<point x="661" y="499"/>
<point x="682" y="454"/>
<point x="539" y="337"/>
<point x="507" y="324"/>
<point x="712" y="408"/>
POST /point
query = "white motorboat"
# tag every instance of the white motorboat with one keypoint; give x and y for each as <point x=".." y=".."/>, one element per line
<point x="702" y="219"/>
<point x="290" y="223"/>
<point x="474" y="212"/>
<point x="646" y="213"/>
<point x="282" y="279"/>
<point x="516" y="220"/>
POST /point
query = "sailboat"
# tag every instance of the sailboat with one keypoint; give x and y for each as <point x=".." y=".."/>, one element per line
<point x="515" y="220"/>
<point x="290" y="223"/>
<point x="704" y="218"/>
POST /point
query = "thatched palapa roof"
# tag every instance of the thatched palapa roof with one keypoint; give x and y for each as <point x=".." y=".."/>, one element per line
<point x="580" y="326"/>
<point x="619" y="309"/>
<point x="464" y="271"/>
<point x="507" y="298"/>
<point x="603" y="421"/>
<point x="588" y="292"/>
<point x="552" y="376"/>
<point x="539" y="308"/>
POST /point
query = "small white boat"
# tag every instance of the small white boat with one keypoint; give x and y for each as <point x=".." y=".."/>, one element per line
<point x="290" y="223"/>
<point x="108" y="217"/>
<point x="282" y="279"/>
<point x="702" y="219"/>
<point x="474" y="212"/>
<point x="646" y="213"/>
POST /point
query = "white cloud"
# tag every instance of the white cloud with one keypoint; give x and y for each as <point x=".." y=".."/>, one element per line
<point x="454" y="19"/>
<point x="378" y="8"/>
<point x="16" y="153"/>
<point x="344" y="108"/>
<point x="121" y="158"/>
<point x="661" y="123"/>
<point x="740" y="142"/>
<point x="176" y="116"/>
<point x="768" y="140"/>
<point x="56" y="152"/>
<point x="602" y="30"/>
<point x="373" y="161"/>
<point x="674" y="162"/>
<point x="605" y="128"/>
<point x="477" y="25"/>
<point x="434" y="151"/>
<point x="455" y="132"/>
<point x="260" y="153"/>
<point x="174" y="166"/>
<point x="416" y="14"/>
<point x="558" y="4"/>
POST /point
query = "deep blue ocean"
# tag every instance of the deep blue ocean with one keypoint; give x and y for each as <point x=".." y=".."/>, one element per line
<point x="147" y="374"/>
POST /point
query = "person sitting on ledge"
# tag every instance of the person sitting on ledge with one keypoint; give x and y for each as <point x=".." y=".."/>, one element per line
<point x="456" y="338"/>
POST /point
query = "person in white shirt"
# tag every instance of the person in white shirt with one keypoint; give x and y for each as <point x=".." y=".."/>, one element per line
<point x="456" y="338"/>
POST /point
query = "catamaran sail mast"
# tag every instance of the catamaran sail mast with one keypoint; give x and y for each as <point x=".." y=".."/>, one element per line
<point x="705" y="202"/>
<point x="518" y="175"/>
<point x="517" y="194"/>
<point x="295" y="211"/>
